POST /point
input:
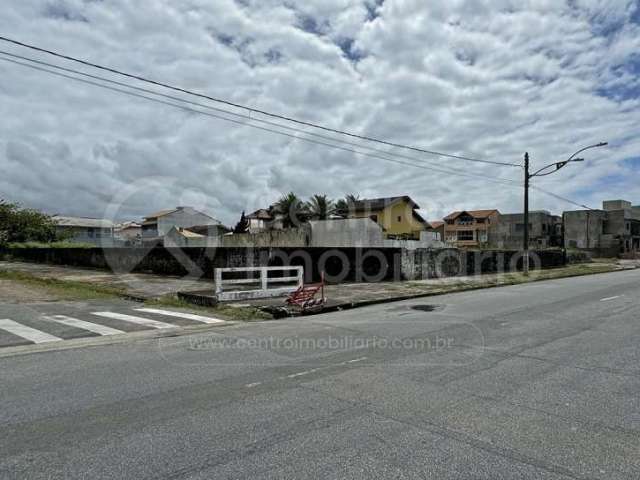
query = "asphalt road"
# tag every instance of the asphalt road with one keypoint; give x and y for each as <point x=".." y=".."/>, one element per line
<point x="535" y="381"/>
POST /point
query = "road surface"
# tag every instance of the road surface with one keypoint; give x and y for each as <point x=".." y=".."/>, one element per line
<point x="537" y="381"/>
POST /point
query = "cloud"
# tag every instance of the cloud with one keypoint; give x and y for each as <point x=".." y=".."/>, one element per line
<point x="491" y="79"/>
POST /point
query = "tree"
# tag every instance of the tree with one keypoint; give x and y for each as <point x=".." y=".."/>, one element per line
<point x="243" y="225"/>
<point x="346" y="204"/>
<point x="320" y="207"/>
<point x="291" y="209"/>
<point x="21" y="225"/>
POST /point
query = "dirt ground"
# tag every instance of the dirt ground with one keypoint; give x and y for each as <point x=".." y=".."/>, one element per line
<point x="15" y="292"/>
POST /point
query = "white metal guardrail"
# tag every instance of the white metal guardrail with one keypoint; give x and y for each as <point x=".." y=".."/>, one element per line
<point x="263" y="279"/>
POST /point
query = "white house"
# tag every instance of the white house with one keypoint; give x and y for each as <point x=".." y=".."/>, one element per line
<point x="158" y="224"/>
<point x="97" y="231"/>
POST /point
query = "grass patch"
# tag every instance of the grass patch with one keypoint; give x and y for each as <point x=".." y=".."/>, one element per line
<point x="63" y="289"/>
<point x="515" y="278"/>
<point x="244" y="314"/>
<point x="61" y="244"/>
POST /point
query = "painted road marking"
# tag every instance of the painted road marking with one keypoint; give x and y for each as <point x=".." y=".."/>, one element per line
<point x="188" y="316"/>
<point x="92" y="327"/>
<point x="254" y="384"/>
<point x="357" y="360"/>
<point x="147" y="322"/>
<point x="609" y="298"/>
<point x="299" y="374"/>
<point x="36" y="336"/>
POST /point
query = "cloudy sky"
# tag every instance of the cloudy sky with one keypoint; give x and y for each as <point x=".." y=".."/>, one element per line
<point x="489" y="79"/>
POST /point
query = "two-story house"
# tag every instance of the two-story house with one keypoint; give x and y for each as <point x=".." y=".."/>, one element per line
<point x="398" y="216"/>
<point x="470" y="228"/>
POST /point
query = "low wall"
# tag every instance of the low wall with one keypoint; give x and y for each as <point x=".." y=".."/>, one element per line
<point x="339" y="264"/>
<point x="445" y="262"/>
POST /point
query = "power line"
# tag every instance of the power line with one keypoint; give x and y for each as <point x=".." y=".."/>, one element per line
<point x="245" y="117"/>
<point x="250" y="109"/>
<point x="559" y="197"/>
<point x="238" y="122"/>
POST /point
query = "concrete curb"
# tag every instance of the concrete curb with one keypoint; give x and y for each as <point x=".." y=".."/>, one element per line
<point x="400" y="298"/>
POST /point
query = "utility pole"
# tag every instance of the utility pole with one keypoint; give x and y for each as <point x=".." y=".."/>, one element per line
<point x="552" y="167"/>
<point x="525" y="247"/>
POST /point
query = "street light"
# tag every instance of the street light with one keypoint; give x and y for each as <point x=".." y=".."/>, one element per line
<point x="539" y="173"/>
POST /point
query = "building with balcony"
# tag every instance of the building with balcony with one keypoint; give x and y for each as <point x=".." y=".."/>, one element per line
<point x="470" y="228"/>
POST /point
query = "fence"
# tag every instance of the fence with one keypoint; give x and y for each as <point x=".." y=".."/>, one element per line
<point x="263" y="279"/>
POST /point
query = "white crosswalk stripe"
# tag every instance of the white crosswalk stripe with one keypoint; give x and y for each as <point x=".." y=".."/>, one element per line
<point x="92" y="327"/>
<point x="188" y="316"/>
<point x="28" y="333"/>
<point x="147" y="322"/>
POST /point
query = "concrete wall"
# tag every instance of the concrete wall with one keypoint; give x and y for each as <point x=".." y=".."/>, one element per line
<point x="346" y="232"/>
<point x="292" y="237"/>
<point x="363" y="232"/>
<point x="335" y="233"/>
<point x="615" y="204"/>
<point x="509" y="232"/>
<point x="427" y="263"/>
<point x="339" y="264"/>
<point x="584" y="228"/>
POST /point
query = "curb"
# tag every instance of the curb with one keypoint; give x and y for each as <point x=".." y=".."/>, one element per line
<point x="400" y="298"/>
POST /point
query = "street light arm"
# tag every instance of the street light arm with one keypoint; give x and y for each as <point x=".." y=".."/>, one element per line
<point x="559" y="165"/>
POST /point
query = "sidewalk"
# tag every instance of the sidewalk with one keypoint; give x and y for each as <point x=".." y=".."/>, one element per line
<point x="352" y="295"/>
<point x="142" y="286"/>
<point x="348" y="295"/>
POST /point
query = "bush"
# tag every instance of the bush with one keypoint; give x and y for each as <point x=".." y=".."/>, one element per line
<point x="19" y="225"/>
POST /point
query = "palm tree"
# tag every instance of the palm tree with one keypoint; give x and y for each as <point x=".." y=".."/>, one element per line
<point x="291" y="209"/>
<point x="320" y="207"/>
<point x="345" y="205"/>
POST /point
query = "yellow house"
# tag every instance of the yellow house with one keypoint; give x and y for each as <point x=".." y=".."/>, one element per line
<point x="396" y="215"/>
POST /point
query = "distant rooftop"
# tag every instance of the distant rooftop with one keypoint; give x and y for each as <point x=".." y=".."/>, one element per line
<point x="473" y="213"/>
<point x="382" y="202"/>
<point x="84" y="222"/>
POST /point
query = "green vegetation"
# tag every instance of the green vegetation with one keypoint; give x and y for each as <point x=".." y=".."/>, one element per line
<point x="292" y="210"/>
<point x="19" y="225"/>
<point x="77" y="290"/>
<point x="243" y="225"/>
<point x="320" y="207"/>
<point x="344" y="205"/>
<point x="63" y="289"/>
<point x="60" y="244"/>
<point x="224" y="311"/>
<point x="515" y="278"/>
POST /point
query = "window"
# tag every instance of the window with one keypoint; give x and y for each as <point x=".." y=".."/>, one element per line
<point x="450" y="222"/>
<point x="465" y="235"/>
<point x="480" y="220"/>
<point x="399" y="218"/>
